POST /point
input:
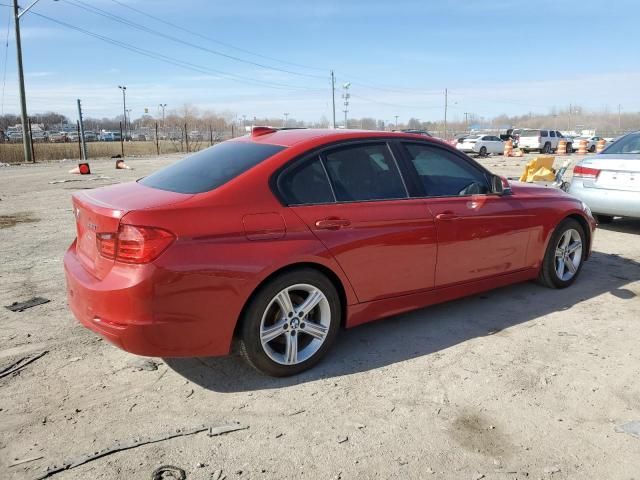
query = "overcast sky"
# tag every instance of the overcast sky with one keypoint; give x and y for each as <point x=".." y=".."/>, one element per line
<point x="265" y="58"/>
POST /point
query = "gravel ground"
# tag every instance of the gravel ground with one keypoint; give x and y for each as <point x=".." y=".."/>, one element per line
<point x="522" y="382"/>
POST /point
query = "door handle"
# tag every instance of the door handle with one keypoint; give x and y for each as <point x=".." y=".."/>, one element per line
<point x="446" y="216"/>
<point x="332" y="223"/>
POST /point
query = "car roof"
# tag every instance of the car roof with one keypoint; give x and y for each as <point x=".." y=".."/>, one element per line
<point x="291" y="137"/>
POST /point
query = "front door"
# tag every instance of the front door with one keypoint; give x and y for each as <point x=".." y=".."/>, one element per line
<point x="479" y="234"/>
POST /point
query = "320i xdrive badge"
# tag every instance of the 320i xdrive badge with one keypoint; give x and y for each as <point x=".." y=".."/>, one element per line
<point x="282" y="238"/>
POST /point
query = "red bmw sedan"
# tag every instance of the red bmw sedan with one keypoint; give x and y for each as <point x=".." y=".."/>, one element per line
<point x="282" y="237"/>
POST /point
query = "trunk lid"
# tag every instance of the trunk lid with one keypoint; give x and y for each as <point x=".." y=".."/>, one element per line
<point x="101" y="210"/>
<point x="617" y="172"/>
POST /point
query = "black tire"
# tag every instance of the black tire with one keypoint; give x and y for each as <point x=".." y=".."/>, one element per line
<point x="592" y="148"/>
<point x="546" y="149"/>
<point x="569" y="148"/>
<point x="603" y="218"/>
<point x="548" y="275"/>
<point x="251" y="347"/>
<point x="483" y="151"/>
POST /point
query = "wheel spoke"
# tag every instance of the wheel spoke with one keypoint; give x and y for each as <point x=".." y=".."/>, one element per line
<point x="560" y="268"/>
<point x="314" y="298"/>
<point x="272" y="332"/>
<point x="574" y="246"/>
<point x="315" y="330"/>
<point x="572" y="268"/>
<point x="291" y="351"/>
<point x="284" y="301"/>
<point x="559" y="252"/>
<point x="566" y="238"/>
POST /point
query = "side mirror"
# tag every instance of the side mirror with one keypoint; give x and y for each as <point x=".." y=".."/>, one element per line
<point x="500" y="185"/>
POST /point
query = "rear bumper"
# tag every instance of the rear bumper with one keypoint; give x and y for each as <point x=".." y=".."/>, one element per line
<point x="467" y="149"/>
<point x="607" y="202"/>
<point x="147" y="311"/>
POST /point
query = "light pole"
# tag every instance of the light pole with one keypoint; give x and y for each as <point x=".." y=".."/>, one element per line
<point x="26" y="138"/>
<point x="124" y="106"/>
<point x="163" y="106"/>
<point x="346" y="97"/>
<point x="396" y="121"/>
<point x="286" y="114"/>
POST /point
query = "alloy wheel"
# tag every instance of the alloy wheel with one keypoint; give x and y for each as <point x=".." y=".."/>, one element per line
<point x="568" y="254"/>
<point x="295" y="324"/>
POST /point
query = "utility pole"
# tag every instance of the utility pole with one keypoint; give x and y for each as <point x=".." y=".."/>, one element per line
<point x="619" y="118"/>
<point x="124" y="107"/>
<point x="446" y="105"/>
<point x="333" y="99"/>
<point x="346" y="97"/>
<point x="396" y="121"/>
<point x="466" y="121"/>
<point x="286" y="114"/>
<point x="26" y="139"/>
<point x="569" y="121"/>
<point x="83" y="144"/>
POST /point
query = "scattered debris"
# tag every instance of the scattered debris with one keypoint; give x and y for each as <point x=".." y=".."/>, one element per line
<point x="190" y="393"/>
<point x="221" y="430"/>
<point x="7" y="221"/>
<point x="343" y="439"/>
<point x="25" y="460"/>
<point x="297" y="412"/>
<point x="217" y="475"/>
<point x="132" y="406"/>
<point x="22" y="306"/>
<point x="565" y="334"/>
<point x="134" y="443"/>
<point x="478" y="476"/>
<point x="146" y="364"/>
<point x="120" y="165"/>
<point x="278" y="435"/>
<point x="200" y="465"/>
<point x="552" y="470"/>
<point x="67" y="180"/>
<point x="632" y="428"/>
<point x="20" y="364"/>
<point x="168" y="472"/>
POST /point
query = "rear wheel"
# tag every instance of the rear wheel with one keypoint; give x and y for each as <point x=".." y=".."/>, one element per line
<point x="546" y="148"/>
<point x="483" y="151"/>
<point x="563" y="259"/>
<point x="604" y="218"/>
<point x="592" y="148"/>
<point x="290" y="323"/>
<point x="569" y="148"/>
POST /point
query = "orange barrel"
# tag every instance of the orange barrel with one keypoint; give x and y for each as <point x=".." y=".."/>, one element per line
<point x="562" y="147"/>
<point x="508" y="148"/>
<point x="582" y="147"/>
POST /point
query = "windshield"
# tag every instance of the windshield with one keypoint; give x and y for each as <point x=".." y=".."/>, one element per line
<point x="210" y="168"/>
<point x="627" y="144"/>
<point x="530" y="133"/>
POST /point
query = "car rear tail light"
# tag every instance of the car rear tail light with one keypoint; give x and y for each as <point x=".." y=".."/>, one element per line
<point x="134" y="244"/>
<point x="585" y="172"/>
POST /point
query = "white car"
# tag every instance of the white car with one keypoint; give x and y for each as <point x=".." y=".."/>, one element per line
<point x="483" y="145"/>
<point x="591" y="143"/>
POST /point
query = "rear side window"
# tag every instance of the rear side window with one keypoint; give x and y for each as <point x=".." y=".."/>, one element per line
<point x="305" y="183"/>
<point x="444" y="174"/>
<point x="210" y="168"/>
<point x="530" y="133"/>
<point x="364" y="172"/>
<point x="553" y="134"/>
<point x="544" y="133"/>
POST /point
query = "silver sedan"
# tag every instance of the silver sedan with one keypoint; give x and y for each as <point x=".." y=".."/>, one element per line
<point x="609" y="183"/>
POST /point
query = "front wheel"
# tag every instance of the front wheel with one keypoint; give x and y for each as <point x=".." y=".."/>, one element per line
<point x="563" y="259"/>
<point x="290" y="323"/>
<point x="547" y="148"/>
<point x="483" y="151"/>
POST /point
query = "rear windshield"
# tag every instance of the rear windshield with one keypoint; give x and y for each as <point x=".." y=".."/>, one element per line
<point x="530" y="133"/>
<point x="627" y="144"/>
<point x="210" y="168"/>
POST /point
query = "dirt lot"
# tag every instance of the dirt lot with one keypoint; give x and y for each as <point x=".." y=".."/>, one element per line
<point x="522" y="382"/>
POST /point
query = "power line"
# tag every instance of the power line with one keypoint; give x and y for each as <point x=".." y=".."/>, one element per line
<point x="177" y="62"/>
<point x="117" y="18"/>
<point x="210" y="39"/>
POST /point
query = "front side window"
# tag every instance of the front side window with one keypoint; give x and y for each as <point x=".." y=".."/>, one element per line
<point x="553" y="134"/>
<point x="364" y="172"/>
<point x="306" y="183"/>
<point x="444" y="174"/>
<point x="210" y="168"/>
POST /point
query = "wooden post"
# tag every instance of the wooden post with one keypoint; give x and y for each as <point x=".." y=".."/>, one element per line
<point x="33" y="152"/>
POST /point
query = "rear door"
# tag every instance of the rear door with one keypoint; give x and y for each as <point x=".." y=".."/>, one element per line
<point x="353" y="198"/>
<point x="479" y="234"/>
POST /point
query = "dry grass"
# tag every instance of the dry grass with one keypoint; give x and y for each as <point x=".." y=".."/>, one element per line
<point x="13" y="152"/>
